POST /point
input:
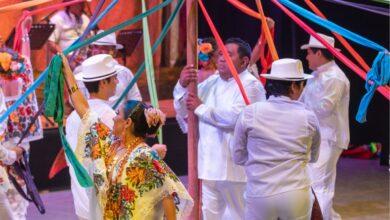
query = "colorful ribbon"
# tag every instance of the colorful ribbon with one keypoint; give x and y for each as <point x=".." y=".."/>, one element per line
<point x="141" y="69"/>
<point x="18" y="30"/>
<point x="43" y="75"/>
<point x="364" y="7"/>
<point x="149" y="66"/>
<point x="23" y="5"/>
<point x="379" y="63"/>
<point x="266" y="31"/>
<point x="242" y="7"/>
<point x="378" y="75"/>
<point x="382" y="1"/>
<point x="345" y="43"/>
<point x="54" y="101"/>
<point x="91" y="25"/>
<point x="332" y="26"/>
<point x="224" y="52"/>
<point x="340" y="30"/>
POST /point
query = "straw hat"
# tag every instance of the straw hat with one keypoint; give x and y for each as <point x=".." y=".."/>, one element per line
<point x="287" y="70"/>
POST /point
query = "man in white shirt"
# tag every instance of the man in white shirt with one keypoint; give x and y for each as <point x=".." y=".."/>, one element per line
<point x="99" y="77"/>
<point x="108" y="45"/>
<point x="217" y="105"/>
<point x="327" y="94"/>
<point x="274" y="140"/>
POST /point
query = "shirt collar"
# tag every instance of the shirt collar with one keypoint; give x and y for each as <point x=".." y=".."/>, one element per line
<point x="240" y="75"/>
<point x="281" y="97"/>
<point x="324" y="67"/>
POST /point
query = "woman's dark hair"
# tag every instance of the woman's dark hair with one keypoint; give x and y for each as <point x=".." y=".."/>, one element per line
<point x="279" y="87"/>
<point x="135" y="110"/>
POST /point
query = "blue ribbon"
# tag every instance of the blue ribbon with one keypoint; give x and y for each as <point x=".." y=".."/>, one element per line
<point x="374" y="79"/>
<point x="141" y="69"/>
<point x="379" y="73"/>
<point x="332" y="26"/>
<point x="44" y="74"/>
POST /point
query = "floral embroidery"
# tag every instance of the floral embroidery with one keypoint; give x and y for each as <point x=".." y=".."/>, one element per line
<point x="143" y="172"/>
<point x="14" y="66"/>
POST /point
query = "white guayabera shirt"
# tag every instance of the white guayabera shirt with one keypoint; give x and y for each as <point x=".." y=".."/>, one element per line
<point x="222" y="104"/>
<point x="327" y="94"/>
<point x="275" y="140"/>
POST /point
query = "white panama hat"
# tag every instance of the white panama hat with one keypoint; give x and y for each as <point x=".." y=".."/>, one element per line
<point x="314" y="43"/>
<point x="96" y="68"/>
<point x="109" y="40"/>
<point x="287" y="70"/>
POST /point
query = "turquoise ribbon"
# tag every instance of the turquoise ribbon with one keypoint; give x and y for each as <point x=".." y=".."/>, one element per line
<point x="44" y="74"/>
<point x="377" y="76"/>
<point x="54" y="100"/>
<point x="379" y="73"/>
<point x="332" y="26"/>
<point x="141" y="69"/>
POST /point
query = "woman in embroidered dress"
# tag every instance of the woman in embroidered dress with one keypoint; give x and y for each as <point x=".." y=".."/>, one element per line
<point x="131" y="181"/>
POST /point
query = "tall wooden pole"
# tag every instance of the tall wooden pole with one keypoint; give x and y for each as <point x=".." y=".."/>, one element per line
<point x="192" y="39"/>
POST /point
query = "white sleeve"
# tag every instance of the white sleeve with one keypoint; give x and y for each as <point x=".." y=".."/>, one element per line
<point x="240" y="140"/>
<point x="226" y="117"/>
<point x="316" y="140"/>
<point x="333" y="90"/>
<point x="179" y="103"/>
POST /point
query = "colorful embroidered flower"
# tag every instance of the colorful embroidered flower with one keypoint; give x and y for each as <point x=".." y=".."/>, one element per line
<point x="127" y="194"/>
<point x="158" y="166"/>
<point x="136" y="175"/>
<point x="14" y="117"/>
<point x="96" y="152"/>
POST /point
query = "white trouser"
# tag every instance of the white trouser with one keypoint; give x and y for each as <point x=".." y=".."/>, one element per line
<point x="292" y="205"/>
<point x="217" y="196"/>
<point x="323" y="176"/>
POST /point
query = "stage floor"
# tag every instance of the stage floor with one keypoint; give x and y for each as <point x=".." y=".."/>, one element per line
<point x="362" y="192"/>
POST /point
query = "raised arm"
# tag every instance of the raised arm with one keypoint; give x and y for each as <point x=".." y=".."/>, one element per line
<point x="255" y="56"/>
<point x="79" y="101"/>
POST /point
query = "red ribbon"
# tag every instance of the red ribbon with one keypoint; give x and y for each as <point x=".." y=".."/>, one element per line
<point x="224" y="52"/>
<point x="385" y="92"/>
<point x="18" y="29"/>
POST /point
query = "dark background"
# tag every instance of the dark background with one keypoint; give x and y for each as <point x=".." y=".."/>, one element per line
<point x="231" y="22"/>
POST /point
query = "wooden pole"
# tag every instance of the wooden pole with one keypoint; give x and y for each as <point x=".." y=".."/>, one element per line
<point x="192" y="39"/>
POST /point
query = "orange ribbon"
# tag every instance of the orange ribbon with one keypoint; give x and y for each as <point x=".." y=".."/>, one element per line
<point x="224" y="52"/>
<point x="267" y="32"/>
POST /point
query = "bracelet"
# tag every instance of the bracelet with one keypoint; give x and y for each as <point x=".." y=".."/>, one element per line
<point x="73" y="89"/>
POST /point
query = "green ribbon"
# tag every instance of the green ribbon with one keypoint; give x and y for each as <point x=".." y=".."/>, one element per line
<point x="149" y="66"/>
<point x="160" y="38"/>
<point x="382" y="1"/>
<point x="54" y="87"/>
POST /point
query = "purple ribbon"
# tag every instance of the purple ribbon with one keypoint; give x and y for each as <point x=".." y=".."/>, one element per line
<point x="364" y="7"/>
<point x="90" y="26"/>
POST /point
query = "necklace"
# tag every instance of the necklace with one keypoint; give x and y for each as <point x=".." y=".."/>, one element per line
<point x="129" y="149"/>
